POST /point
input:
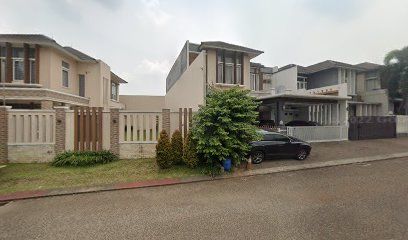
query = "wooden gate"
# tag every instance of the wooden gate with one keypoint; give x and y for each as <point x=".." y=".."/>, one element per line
<point x="372" y="127"/>
<point x="88" y="129"/>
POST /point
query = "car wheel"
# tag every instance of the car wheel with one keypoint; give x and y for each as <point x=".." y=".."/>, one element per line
<point x="302" y="154"/>
<point x="257" y="157"/>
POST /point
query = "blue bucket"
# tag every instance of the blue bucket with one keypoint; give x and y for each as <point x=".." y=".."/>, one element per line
<point x="227" y="164"/>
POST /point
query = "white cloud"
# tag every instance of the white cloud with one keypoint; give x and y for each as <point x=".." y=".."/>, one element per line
<point x="154" y="12"/>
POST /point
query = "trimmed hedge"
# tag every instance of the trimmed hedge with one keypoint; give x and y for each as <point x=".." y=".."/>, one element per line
<point x="85" y="158"/>
<point x="163" y="151"/>
<point x="190" y="154"/>
<point x="177" y="147"/>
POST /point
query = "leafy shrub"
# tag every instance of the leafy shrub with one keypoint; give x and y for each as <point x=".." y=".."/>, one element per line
<point x="177" y="147"/>
<point x="85" y="158"/>
<point x="190" y="157"/>
<point x="225" y="125"/>
<point x="163" y="151"/>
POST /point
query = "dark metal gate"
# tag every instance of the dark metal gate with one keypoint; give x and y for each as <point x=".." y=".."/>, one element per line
<point x="372" y="127"/>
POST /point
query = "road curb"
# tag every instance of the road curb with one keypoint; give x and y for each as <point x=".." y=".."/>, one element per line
<point x="173" y="181"/>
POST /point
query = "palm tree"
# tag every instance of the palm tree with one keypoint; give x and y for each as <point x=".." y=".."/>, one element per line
<point x="395" y="72"/>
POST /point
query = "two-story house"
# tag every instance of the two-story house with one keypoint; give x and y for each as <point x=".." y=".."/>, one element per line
<point x="287" y="94"/>
<point x="199" y="66"/>
<point x="36" y="72"/>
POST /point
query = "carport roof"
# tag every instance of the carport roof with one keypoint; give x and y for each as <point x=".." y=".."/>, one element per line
<point x="304" y="96"/>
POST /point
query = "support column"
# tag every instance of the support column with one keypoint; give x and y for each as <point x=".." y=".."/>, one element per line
<point x="330" y="114"/>
<point x="166" y="120"/>
<point x="114" y="131"/>
<point x="343" y="113"/>
<point x="60" y="129"/>
<point x="4" y="134"/>
<point x="9" y="63"/>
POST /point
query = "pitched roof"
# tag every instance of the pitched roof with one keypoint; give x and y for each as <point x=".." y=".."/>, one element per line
<point x="230" y="47"/>
<point x="301" y="69"/>
<point x="116" y="78"/>
<point x="27" y="38"/>
<point x="45" y="41"/>
<point x="328" y="64"/>
<point x="368" y="66"/>
<point x="79" y="54"/>
<point x="194" y="47"/>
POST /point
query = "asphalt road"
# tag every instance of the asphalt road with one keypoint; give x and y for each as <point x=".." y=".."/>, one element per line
<point x="364" y="201"/>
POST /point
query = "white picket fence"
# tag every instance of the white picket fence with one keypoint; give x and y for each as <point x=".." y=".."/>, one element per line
<point x="31" y="127"/>
<point x="139" y="127"/>
<point x="402" y="124"/>
<point x="319" y="133"/>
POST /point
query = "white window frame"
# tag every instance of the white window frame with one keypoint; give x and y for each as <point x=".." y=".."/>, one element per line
<point x="114" y="96"/>
<point x="14" y="69"/>
<point x="302" y="83"/>
<point x="229" y="65"/>
<point x="62" y="74"/>
<point x="32" y="60"/>
<point x="2" y="71"/>
<point x="254" y="82"/>
<point x="220" y="63"/>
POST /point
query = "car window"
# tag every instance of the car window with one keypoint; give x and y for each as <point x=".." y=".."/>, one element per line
<point x="275" y="137"/>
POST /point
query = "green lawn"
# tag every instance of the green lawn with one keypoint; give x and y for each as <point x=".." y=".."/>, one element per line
<point x="39" y="176"/>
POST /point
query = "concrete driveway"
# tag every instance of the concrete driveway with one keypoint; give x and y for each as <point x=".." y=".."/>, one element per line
<point x="345" y="149"/>
<point x="362" y="201"/>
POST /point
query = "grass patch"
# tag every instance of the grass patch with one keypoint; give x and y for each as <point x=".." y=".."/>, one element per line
<point x="18" y="177"/>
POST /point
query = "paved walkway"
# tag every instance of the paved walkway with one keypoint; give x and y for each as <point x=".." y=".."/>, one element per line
<point x="322" y="152"/>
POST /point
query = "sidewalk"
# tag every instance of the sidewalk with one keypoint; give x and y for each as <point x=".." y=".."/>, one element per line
<point x="323" y="155"/>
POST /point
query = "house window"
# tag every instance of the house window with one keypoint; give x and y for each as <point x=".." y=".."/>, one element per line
<point x="229" y="70"/>
<point x="301" y="83"/>
<point x="65" y="74"/>
<point x="32" y="65"/>
<point x="254" y="81"/>
<point x="2" y="64"/>
<point x="114" y="91"/>
<point x="220" y="69"/>
<point x="82" y="85"/>
<point x="18" y="64"/>
<point x="267" y="81"/>
<point x="238" y="70"/>
<point x="372" y="81"/>
<point x="348" y="76"/>
<point x="230" y="64"/>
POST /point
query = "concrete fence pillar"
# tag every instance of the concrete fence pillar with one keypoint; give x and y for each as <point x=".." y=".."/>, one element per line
<point x="166" y="120"/>
<point x="114" y="131"/>
<point x="4" y="134"/>
<point x="60" y="129"/>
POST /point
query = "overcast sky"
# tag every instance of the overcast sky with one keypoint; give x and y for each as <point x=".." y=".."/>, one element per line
<point x="140" y="39"/>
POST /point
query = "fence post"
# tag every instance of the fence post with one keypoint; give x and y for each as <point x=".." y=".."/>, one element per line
<point x="60" y="129"/>
<point x="4" y="134"/>
<point x="166" y="120"/>
<point x="114" y="131"/>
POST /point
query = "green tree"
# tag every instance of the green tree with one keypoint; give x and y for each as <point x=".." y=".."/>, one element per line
<point x="163" y="151"/>
<point x="177" y="147"/>
<point x="189" y="152"/>
<point x="395" y="72"/>
<point x="225" y="125"/>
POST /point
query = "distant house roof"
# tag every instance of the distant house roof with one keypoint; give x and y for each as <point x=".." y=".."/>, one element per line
<point x="230" y="47"/>
<point x="194" y="47"/>
<point x="367" y="66"/>
<point x="328" y="64"/>
<point x="79" y="54"/>
<point x="301" y="69"/>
